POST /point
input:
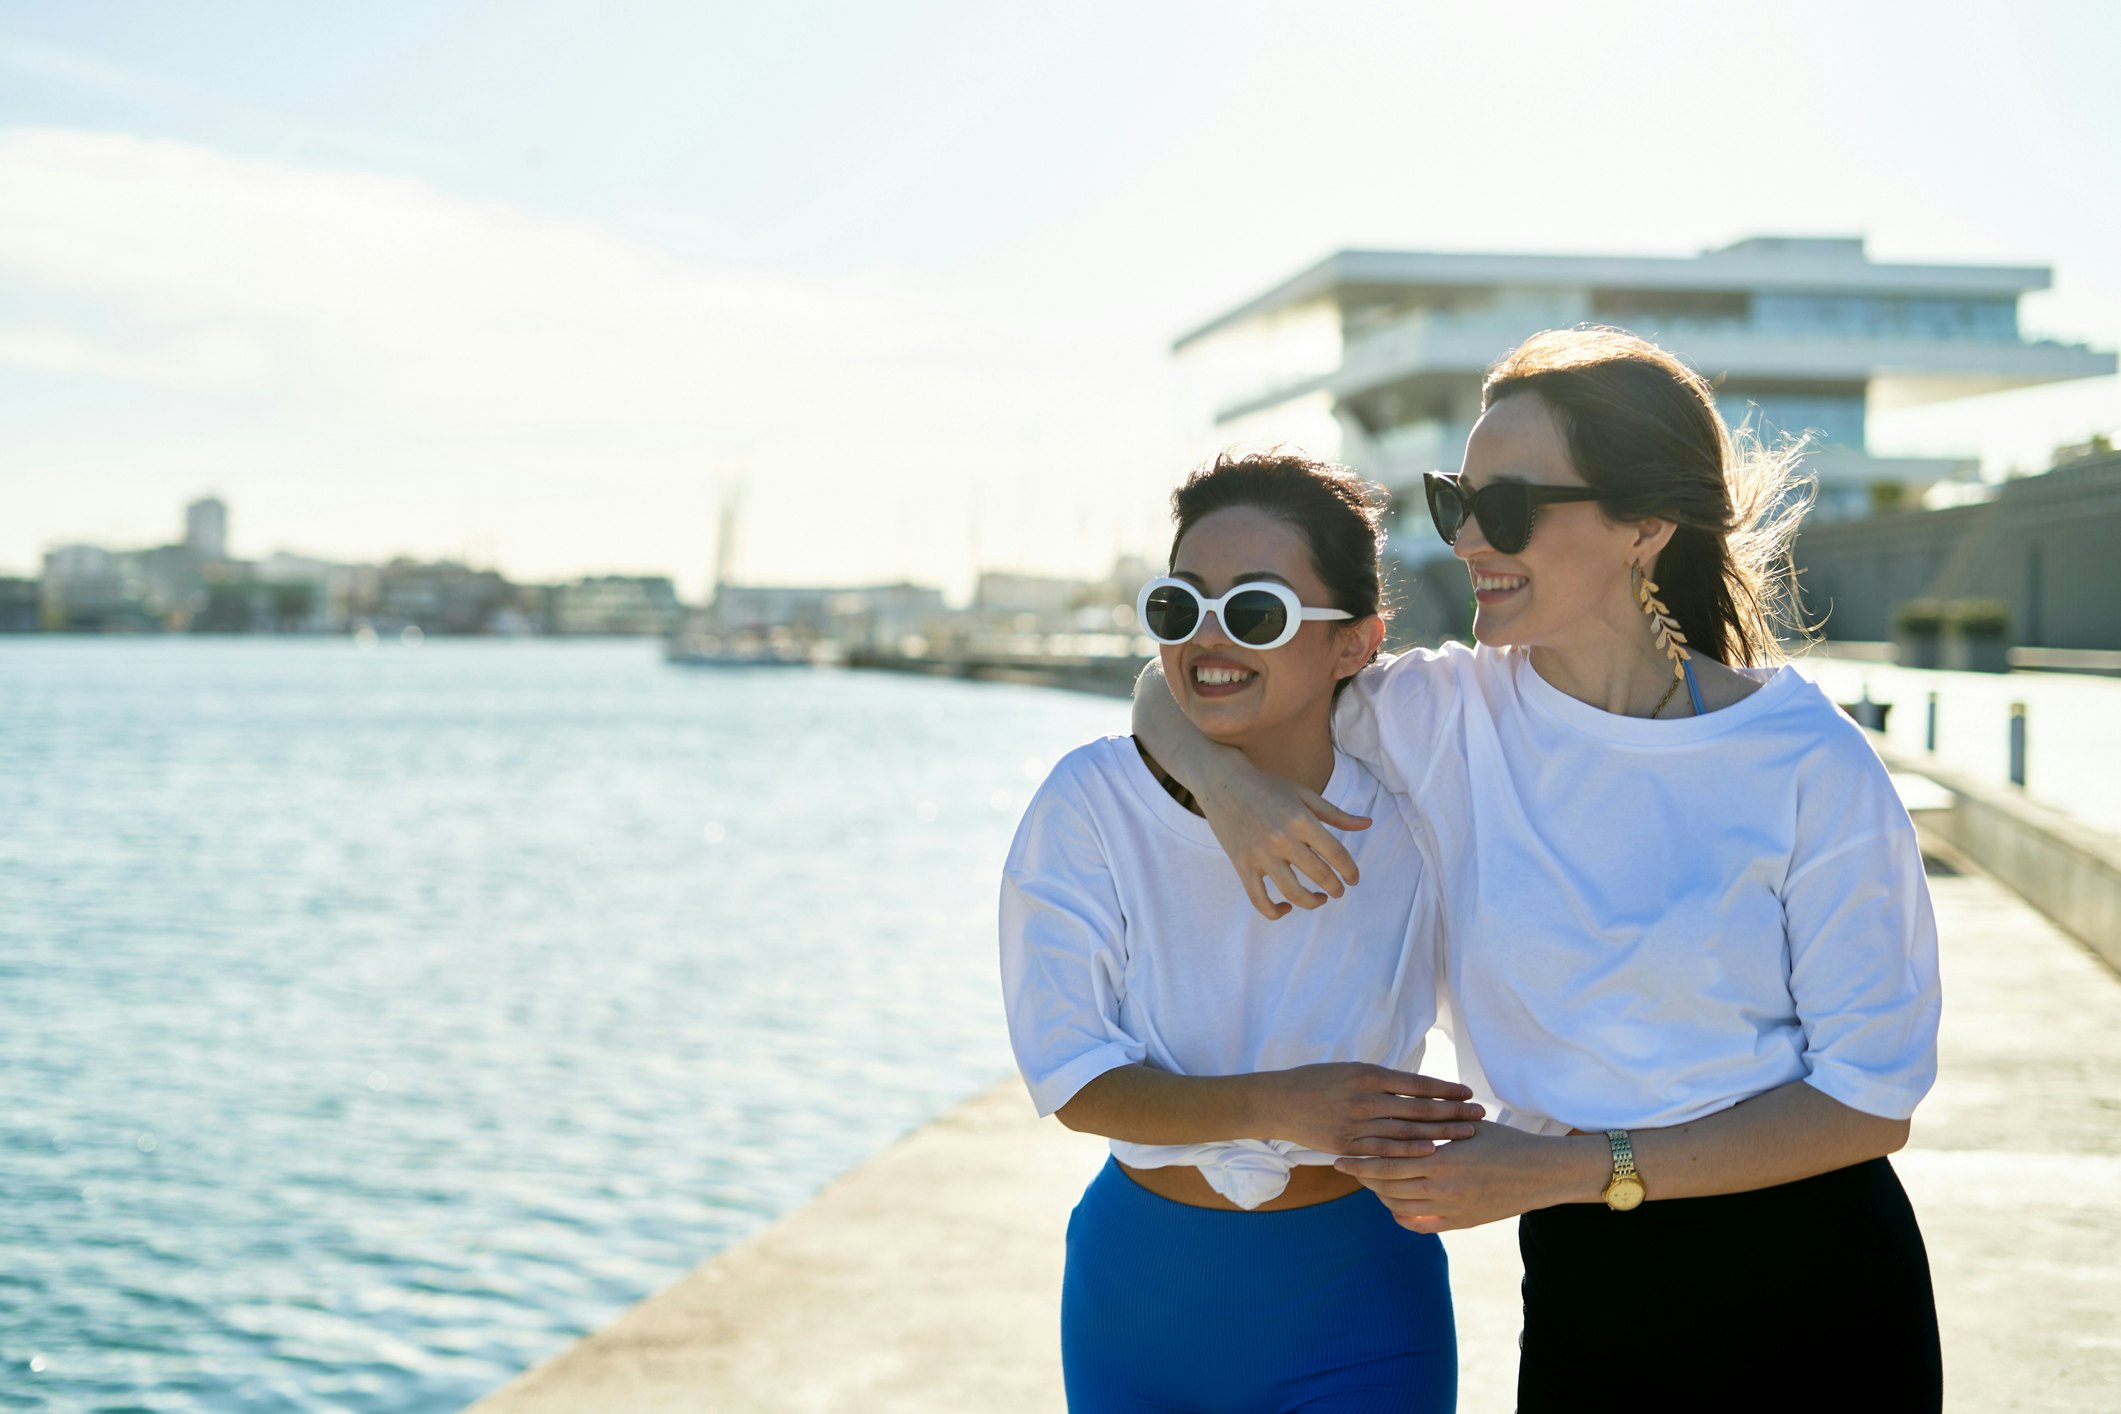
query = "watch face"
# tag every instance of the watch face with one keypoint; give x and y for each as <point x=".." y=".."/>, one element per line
<point x="1623" y="1194"/>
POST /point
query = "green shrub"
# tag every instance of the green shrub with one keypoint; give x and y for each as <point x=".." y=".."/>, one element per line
<point x="1980" y="618"/>
<point x="1917" y="618"/>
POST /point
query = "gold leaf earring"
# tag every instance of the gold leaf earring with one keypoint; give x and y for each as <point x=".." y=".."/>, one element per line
<point x="1663" y="627"/>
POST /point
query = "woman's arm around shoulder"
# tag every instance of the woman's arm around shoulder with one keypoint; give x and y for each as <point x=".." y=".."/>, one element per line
<point x="1273" y="830"/>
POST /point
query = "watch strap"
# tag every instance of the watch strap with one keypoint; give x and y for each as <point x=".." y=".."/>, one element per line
<point x="1623" y="1154"/>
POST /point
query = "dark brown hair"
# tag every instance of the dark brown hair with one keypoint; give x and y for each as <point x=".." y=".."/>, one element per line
<point x="1642" y="428"/>
<point x="1338" y="513"/>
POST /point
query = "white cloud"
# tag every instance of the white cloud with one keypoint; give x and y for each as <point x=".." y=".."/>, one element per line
<point x="542" y="386"/>
<point x="207" y="361"/>
<point x="389" y="301"/>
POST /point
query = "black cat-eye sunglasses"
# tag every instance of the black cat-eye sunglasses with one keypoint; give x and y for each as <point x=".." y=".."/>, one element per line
<point x="1505" y="509"/>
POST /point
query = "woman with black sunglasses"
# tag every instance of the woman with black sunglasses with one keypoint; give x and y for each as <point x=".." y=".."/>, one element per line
<point x="1689" y="945"/>
<point x="1219" y="1262"/>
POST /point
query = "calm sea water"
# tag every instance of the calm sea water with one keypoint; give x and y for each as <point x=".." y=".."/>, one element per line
<point x="372" y="1023"/>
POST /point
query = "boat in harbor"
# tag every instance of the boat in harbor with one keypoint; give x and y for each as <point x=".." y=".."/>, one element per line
<point x="714" y="638"/>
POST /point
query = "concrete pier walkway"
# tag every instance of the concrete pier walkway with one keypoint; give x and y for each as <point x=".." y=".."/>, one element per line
<point x="928" y="1278"/>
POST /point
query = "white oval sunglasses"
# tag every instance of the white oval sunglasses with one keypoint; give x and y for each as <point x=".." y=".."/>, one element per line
<point x="1259" y="613"/>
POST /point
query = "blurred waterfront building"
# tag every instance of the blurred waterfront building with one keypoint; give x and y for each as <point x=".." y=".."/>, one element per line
<point x="1035" y="603"/>
<point x="1111" y="599"/>
<point x="172" y="582"/>
<point x="285" y="593"/>
<point x="335" y="594"/>
<point x="1044" y="604"/>
<point x="885" y="618"/>
<point x="20" y="605"/>
<point x="1375" y="358"/>
<point x="616" y="604"/>
<point x="878" y="618"/>
<point x="757" y="608"/>
<point x="206" y="528"/>
<point x="443" y="597"/>
<point x="86" y="588"/>
<point x="240" y="604"/>
<point x="1024" y="615"/>
<point x="2043" y="547"/>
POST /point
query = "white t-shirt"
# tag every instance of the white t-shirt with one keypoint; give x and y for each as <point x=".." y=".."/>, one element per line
<point x="1126" y="937"/>
<point x="1648" y="921"/>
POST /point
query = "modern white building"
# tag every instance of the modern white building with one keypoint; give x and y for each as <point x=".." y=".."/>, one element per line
<point x="1375" y="358"/>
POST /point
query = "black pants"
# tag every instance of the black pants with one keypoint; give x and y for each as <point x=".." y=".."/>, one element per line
<point x="1813" y="1296"/>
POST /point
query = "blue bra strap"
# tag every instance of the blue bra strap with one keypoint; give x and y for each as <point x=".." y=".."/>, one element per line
<point x="1693" y="689"/>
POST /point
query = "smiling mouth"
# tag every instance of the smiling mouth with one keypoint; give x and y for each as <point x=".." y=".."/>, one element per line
<point x="1488" y="588"/>
<point x="1220" y="679"/>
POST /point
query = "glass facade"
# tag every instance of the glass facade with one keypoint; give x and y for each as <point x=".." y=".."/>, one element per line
<point x="1871" y="316"/>
<point x="1828" y="417"/>
<point x="1887" y="315"/>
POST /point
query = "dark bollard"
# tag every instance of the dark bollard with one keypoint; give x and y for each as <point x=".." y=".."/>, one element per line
<point x="2017" y="743"/>
<point x="1930" y="736"/>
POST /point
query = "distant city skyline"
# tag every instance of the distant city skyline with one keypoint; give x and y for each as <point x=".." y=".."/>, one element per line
<point x="202" y="526"/>
<point x="532" y="286"/>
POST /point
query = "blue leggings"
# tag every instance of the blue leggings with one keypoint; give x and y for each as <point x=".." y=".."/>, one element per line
<point x="1330" y="1309"/>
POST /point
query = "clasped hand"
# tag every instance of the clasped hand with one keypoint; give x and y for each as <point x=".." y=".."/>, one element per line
<point x="1497" y="1173"/>
<point x="1347" y="1107"/>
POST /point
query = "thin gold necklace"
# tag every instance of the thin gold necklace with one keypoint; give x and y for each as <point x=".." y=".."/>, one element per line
<point x="1667" y="696"/>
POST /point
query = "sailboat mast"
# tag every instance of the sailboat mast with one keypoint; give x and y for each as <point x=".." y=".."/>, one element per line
<point x="725" y="543"/>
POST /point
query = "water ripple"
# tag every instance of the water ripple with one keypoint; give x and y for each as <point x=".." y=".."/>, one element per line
<point x="371" y="1025"/>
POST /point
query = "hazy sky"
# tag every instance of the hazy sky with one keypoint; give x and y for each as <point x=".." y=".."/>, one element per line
<point x="528" y="282"/>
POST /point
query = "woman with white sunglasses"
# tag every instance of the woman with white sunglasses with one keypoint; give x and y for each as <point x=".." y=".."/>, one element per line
<point x="1689" y="944"/>
<point x="1219" y="1262"/>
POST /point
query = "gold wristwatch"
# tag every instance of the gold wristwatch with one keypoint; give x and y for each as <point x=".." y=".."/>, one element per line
<point x="1625" y="1190"/>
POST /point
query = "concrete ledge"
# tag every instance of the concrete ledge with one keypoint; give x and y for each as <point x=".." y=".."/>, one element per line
<point x="2066" y="660"/>
<point x="2061" y="866"/>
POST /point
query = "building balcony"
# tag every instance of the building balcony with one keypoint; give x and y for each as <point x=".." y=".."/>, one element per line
<point x="1900" y="368"/>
